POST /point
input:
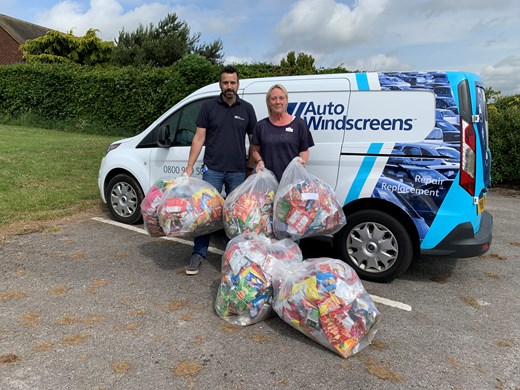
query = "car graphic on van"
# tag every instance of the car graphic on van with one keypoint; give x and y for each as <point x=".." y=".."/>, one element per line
<point x="444" y="134"/>
<point x="447" y="103"/>
<point x="447" y="115"/>
<point x="423" y="154"/>
<point x="392" y="81"/>
<point x="451" y="154"/>
<point x="425" y="180"/>
<point x="448" y="171"/>
<point x="420" y="207"/>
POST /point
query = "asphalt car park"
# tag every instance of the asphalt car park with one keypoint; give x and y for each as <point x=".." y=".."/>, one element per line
<point x="92" y="304"/>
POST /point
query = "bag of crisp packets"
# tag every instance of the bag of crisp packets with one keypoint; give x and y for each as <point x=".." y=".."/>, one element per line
<point x="150" y="204"/>
<point x="249" y="208"/>
<point x="304" y="205"/>
<point x="324" y="299"/>
<point x="245" y="294"/>
<point x="190" y="208"/>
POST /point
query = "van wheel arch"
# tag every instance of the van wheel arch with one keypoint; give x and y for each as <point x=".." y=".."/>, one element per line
<point x="397" y="251"/>
<point x="124" y="196"/>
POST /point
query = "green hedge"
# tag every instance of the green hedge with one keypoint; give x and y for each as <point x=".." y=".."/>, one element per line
<point x="103" y="99"/>
<point x="504" y="140"/>
<point x="99" y="100"/>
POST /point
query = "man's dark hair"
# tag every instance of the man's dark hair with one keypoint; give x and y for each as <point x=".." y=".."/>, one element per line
<point x="229" y="69"/>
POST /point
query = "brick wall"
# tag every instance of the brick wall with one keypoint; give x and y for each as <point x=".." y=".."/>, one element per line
<point x="9" y="52"/>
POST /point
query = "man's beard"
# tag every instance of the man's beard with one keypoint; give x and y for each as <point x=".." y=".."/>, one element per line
<point x="229" y="93"/>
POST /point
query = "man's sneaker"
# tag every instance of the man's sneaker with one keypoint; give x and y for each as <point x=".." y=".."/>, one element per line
<point x="195" y="264"/>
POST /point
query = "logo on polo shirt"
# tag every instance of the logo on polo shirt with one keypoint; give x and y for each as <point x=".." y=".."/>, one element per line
<point x="239" y="118"/>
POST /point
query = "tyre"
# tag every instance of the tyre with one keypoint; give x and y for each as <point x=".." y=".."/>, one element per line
<point x="375" y="244"/>
<point x="124" y="197"/>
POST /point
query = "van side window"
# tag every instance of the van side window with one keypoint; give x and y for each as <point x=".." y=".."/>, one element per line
<point x="182" y="124"/>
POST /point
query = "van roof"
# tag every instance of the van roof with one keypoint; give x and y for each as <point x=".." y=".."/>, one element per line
<point x="246" y="82"/>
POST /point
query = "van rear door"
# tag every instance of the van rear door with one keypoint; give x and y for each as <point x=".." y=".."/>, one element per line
<point x="483" y="132"/>
<point x="475" y="153"/>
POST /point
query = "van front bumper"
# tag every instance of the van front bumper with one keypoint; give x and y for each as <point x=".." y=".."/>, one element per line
<point x="101" y="189"/>
<point x="461" y="242"/>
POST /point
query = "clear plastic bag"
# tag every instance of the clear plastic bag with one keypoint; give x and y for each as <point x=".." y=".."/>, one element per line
<point x="305" y="205"/>
<point x="190" y="208"/>
<point x="324" y="299"/>
<point x="249" y="208"/>
<point x="245" y="294"/>
<point x="150" y="204"/>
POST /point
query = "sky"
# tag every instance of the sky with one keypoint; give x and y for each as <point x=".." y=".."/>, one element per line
<point x="480" y="36"/>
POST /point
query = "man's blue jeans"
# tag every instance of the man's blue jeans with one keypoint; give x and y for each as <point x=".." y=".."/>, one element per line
<point x="227" y="180"/>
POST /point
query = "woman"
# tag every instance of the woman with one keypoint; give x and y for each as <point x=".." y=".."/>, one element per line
<point x="280" y="137"/>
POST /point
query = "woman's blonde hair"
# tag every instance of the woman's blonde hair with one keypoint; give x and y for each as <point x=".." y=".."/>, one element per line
<point x="279" y="86"/>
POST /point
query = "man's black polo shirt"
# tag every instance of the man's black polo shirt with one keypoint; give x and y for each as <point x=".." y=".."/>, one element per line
<point x="226" y="128"/>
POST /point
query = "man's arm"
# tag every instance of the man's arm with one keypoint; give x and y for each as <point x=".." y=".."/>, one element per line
<point x="196" y="146"/>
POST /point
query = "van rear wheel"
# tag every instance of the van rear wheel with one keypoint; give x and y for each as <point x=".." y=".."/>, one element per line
<point x="375" y="244"/>
<point x="124" y="197"/>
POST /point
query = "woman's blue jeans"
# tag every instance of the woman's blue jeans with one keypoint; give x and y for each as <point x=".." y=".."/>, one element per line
<point x="220" y="180"/>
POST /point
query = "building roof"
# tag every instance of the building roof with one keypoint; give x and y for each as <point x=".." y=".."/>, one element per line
<point x="21" y="30"/>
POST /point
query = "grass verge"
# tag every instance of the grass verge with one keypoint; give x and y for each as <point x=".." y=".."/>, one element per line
<point x="47" y="174"/>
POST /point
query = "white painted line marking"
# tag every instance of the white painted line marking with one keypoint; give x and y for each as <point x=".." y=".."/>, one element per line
<point x="142" y="231"/>
<point x="389" y="302"/>
<point x="383" y="301"/>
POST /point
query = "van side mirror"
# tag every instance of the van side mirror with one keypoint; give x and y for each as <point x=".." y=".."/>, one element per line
<point x="163" y="136"/>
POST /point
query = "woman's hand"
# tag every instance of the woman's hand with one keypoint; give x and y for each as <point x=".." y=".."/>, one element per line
<point x="260" y="166"/>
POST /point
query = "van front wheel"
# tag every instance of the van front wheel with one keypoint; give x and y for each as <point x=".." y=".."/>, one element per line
<point x="375" y="244"/>
<point x="124" y="197"/>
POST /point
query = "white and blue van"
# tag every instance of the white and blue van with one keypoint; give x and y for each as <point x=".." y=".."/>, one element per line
<point x="404" y="192"/>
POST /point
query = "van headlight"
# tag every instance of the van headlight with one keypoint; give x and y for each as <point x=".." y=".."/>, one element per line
<point x="113" y="146"/>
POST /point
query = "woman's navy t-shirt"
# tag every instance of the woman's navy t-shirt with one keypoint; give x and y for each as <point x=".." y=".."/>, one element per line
<point x="280" y="144"/>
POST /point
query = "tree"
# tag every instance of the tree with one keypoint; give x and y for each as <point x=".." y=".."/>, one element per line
<point x="58" y="47"/>
<point x="212" y="51"/>
<point x="304" y="64"/>
<point x="492" y="95"/>
<point x="162" y="45"/>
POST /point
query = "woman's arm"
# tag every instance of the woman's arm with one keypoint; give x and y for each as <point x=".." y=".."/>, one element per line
<point x="255" y="152"/>
<point x="304" y="156"/>
<point x="257" y="157"/>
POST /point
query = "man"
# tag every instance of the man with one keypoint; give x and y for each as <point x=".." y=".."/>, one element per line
<point x="222" y="125"/>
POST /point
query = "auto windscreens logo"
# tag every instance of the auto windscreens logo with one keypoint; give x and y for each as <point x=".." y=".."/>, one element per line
<point x="334" y="117"/>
